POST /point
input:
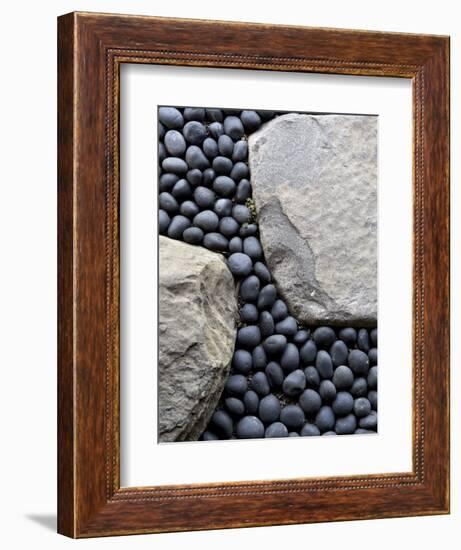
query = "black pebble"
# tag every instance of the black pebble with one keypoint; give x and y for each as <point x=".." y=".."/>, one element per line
<point x="312" y="377"/>
<point x="266" y="324"/>
<point x="195" y="158"/>
<point x="373" y="399"/>
<point x="251" y="120"/>
<point x="240" y="152"/>
<point x="288" y="327"/>
<point x="204" y="197"/>
<point x="267" y="297"/>
<point x="210" y="147"/>
<point x="206" y="220"/>
<point x="251" y="402"/>
<point x="324" y="336"/>
<point x="249" y="337"/>
<point x="253" y="248"/>
<point x="194" y="176"/>
<point x="374" y="337"/>
<point x="369" y="422"/>
<point x="359" y="387"/>
<point x="177" y="226"/>
<point x="292" y="416"/>
<point x="216" y="242"/>
<point x="310" y="401"/>
<point x="233" y="127"/>
<point x="358" y="362"/>
<point x="216" y="129"/>
<point x="372" y="378"/>
<point x="209" y="436"/>
<point x="228" y="226"/>
<point x="250" y="427"/>
<point x="301" y="337"/>
<point x="277" y="429"/>
<point x="325" y="419"/>
<point x="224" y="186"/>
<point x="215" y="115"/>
<point x="249" y="313"/>
<point x="175" y="165"/>
<point x="363" y="340"/>
<point x="167" y="181"/>
<point x="182" y="190"/>
<point x="161" y="131"/>
<point x="239" y="171"/>
<point x="222" y="165"/>
<point x="189" y="209"/>
<point x="373" y="356"/>
<point x="274" y="374"/>
<point x="248" y="230"/>
<point x="260" y="384"/>
<point x="290" y="358"/>
<point x="249" y="288"/>
<point x="225" y="145"/>
<point x="308" y="352"/>
<point x="346" y="425"/>
<point x="194" y="113"/>
<point x="241" y="213"/>
<point x="262" y="272"/>
<point x="223" y="207"/>
<point x="339" y="353"/>
<point x="168" y="203"/>
<point x="170" y="117"/>
<point x="259" y="358"/>
<point x="279" y="310"/>
<point x="243" y="191"/>
<point x="343" y="377"/>
<point x="163" y="221"/>
<point x="236" y="385"/>
<point x="309" y="430"/>
<point x="343" y="403"/>
<point x="269" y="409"/>
<point x="324" y="364"/>
<point x="327" y="390"/>
<point x="239" y="264"/>
<point x="235" y="245"/>
<point x="193" y="235"/>
<point x="242" y="361"/>
<point x="235" y="406"/>
<point x="209" y="176"/>
<point x="175" y="143"/>
<point x="348" y="335"/>
<point x="295" y="383"/>
<point x="222" y="424"/>
<point x="195" y="132"/>
<point x="275" y="344"/>
<point x="362" y="407"/>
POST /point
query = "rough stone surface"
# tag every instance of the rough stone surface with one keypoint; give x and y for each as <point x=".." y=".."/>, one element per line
<point x="197" y="327"/>
<point x="315" y="188"/>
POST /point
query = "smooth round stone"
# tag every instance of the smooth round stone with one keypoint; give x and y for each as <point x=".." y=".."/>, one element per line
<point x="308" y="352"/>
<point x="204" y="197"/>
<point x="295" y="383"/>
<point x="216" y="242"/>
<point x="193" y="235"/>
<point x="369" y="422"/>
<point x="209" y="436"/>
<point x="266" y="324"/>
<point x="267" y="297"/>
<point x="293" y="417"/>
<point x="243" y="191"/>
<point x="241" y="213"/>
<point x="161" y="131"/>
<point x="194" y="113"/>
<point x="277" y="429"/>
<point x="309" y="430"/>
<point x="266" y="114"/>
<point x="329" y="432"/>
<point x="249" y="313"/>
<point x="167" y="181"/>
<point x="242" y="361"/>
<point x="162" y="154"/>
<point x="343" y="377"/>
<point x="240" y="151"/>
<point x="251" y="402"/>
<point x="209" y="176"/>
<point x="324" y="337"/>
<point x="274" y="374"/>
<point x="373" y="399"/>
<point x="289" y="360"/>
<point x="348" y="335"/>
<point x="251" y="120"/>
<point x="343" y="403"/>
<point x="301" y="337"/>
<point x="233" y="127"/>
<point x="239" y="264"/>
<point x="195" y="132"/>
<point x="175" y="165"/>
<point x="327" y="390"/>
<point x="339" y="353"/>
<point x="260" y="384"/>
<point x="269" y="409"/>
<point x="215" y="115"/>
<point x="174" y="143"/>
<point x="195" y="158"/>
<point x="235" y="406"/>
<point x="222" y="424"/>
<point x="363" y="340"/>
<point x="223" y="207"/>
<point x="253" y="248"/>
<point x="312" y="377"/>
<point x="275" y="344"/>
<point x="182" y="190"/>
<point x="249" y="288"/>
<point x="259" y="358"/>
<point x="250" y="427"/>
<point x="374" y="337"/>
<point x="236" y="385"/>
<point x="363" y="431"/>
<point x="288" y="327"/>
<point x="325" y="419"/>
<point x="216" y="129"/>
<point x="359" y="387"/>
<point x="235" y="245"/>
<point x="170" y="117"/>
<point x="362" y="407"/>
<point x="189" y="209"/>
<point x="163" y="221"/>
<point x="248" y="230"/>
<point x="222" y="165"/>
<point x="228" y="227"/>
<point x="358" y="362"/>
<point x="262" y="272"/>
<point x="168" y="203"/>
<point x="372" y="378"/>
<point x="239" y="171"/>
<point x="177" y="226"/>
<point x="310" y="401"/>
<point x="373" y="356"/>
<point x="279" y="310"/>
<point x="225" y="145"/>
<point x="324" y="364"/>
<point x="210" y="148"/>
<point x="194" y="176"/>
<point x="206" y="220"/>
<point x="346" y="425"/>
<point x="224" y="186"/>
<point x="249" y="337"/>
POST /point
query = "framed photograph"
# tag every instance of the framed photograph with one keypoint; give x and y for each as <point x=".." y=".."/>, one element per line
<point x="242" y="209"/>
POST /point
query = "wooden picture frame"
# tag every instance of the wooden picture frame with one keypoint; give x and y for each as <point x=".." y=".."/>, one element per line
<point x="92" y="48"/>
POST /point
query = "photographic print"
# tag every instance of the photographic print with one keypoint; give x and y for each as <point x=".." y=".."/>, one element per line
<point x="267" y="274"/>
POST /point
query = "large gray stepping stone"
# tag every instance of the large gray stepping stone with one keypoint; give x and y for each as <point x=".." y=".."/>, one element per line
<point x="197" y="328"/>
<point x="314" y="184"/>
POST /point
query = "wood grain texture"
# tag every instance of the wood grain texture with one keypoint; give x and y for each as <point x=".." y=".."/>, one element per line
<point x="91" y="49"/>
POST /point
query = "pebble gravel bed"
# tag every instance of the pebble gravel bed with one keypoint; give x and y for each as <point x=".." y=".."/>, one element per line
<point x="286" y="380"/>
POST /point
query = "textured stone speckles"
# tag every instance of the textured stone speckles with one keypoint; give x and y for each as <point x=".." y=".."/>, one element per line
<point x="315" y="188"/>
<point x="197" y="328"/>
